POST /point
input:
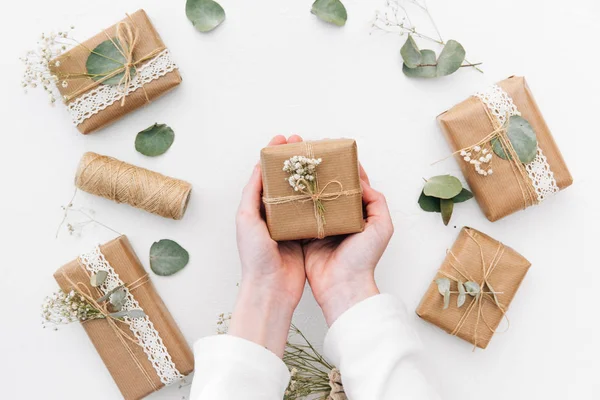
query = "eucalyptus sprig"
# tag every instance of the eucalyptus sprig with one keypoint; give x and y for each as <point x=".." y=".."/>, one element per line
<point x="396" y="18"/>
<point x="472" y="289"/>
<point x="64" y="308"/>
<point x="440" y="193"/>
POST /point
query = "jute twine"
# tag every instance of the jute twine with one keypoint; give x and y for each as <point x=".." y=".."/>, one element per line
<point x="125" y="183"/>
<point x="125" y="41"/>
<point x="477" y="304"/>
<point x="316" y="195"/>
<point x="337" y="389"/>
<point x="115" y="324"/>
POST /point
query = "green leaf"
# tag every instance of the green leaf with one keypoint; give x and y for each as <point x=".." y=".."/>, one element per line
<point x="167" y="257"/>
<point x="98" y="278"/>
<point x="107" y="295"/>
<point x="429" y="203"/>
<point x="442" y="187"/>
<point x="461" y="295"/>
<point x="205" y="15"/>
<point x="443" y="285"/>
<point x="450" y="59"/>
<point x="410" y="53"/>
<point x="446" y="299"/>
<point x="464" y="195"/>
<point x="154" y="140"/>
<point x="332" y="11"/>
<point x="522" y="137"/>
<point x="472" y="288"/>
<point x="105" y="59"/>
<point x="118" y="298"/>
<point x="427" y="58"/>
<point x="135" y="313"/>
<point x="447" y="206"/>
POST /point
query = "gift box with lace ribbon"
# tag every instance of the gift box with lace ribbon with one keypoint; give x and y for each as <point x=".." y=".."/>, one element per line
<point x="489" y="273"/>
<point x="481" y="119"/>
<point x="142" y="354"/>
<point x="147" y="72"/>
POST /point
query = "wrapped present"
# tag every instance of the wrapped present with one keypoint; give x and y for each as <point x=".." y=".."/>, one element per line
<point x="97" y="98"/>
<point x="142" y="354"/>
<point x="474" y="287"/>
<point x="478" y="128"/>
<point x="312" y="189"/>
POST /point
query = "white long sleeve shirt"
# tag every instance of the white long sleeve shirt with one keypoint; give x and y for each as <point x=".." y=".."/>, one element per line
<point x="371" y="344"/>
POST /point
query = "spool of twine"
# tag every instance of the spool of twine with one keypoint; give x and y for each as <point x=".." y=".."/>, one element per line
<point x="125" y="183"/>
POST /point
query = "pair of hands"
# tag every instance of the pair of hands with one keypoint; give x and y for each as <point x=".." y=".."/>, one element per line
<point x="339" y="269"/>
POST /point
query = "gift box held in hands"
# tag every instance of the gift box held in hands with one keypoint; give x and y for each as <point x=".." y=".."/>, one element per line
<point x="117" y="71"/>
<point x="474" y="287"/>
<point x="505" y="149"/>
<point x="142" y="354"/>
<point x="312" y="189"/>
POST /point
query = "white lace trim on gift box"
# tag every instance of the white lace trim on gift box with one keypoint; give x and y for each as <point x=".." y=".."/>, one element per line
<point x="143" y="329"/>
<point x="500" y="104"/>
<point x="96" y="100"/>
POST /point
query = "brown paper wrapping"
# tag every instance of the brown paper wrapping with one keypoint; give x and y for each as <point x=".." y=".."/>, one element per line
<point x="296" y="220"/>
<point x="126" y="373"/>
<point x="506" y="278"/>
<point x="467" y="123"/>
<point x="75" y="59"/>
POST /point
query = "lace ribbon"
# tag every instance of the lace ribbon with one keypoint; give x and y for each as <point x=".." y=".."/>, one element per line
<point x="501" y="105"/>
<point x="98" y="99"/>
<point x="142" y="328"/>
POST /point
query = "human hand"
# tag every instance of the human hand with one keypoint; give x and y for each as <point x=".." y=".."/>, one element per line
<point x="273" y="274"/>
<point x="340" y="269"/>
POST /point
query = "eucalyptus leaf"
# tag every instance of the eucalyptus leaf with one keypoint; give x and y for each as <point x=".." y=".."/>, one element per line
<point x="410" y="53"/>
<point x="98" y="278"/>
<point x="429" y="203"/>
<point x="117" y="299"/>
<point x="105" y="59"/>
<point x="464" y="195"/>
<point x="472" y="288"/>
<point x="450" y="59"/>
<point x="167" y="257"/>
<point x="447" y="206"/>
<point x="135" y="313"/>
<point x="428" y="71"/>
<point x="461" y="288"/>
<point x="442" y="187"/>
<point x="205" y="15"/>
<point x="446" y="299"/>
<point x="443" y="285"/>
<point x="462" y="296"/>
<point x="154" y="140"/>
<point x="523" y="140"/>
<point x="332" y="11"/>
<point x="107" y="295"/>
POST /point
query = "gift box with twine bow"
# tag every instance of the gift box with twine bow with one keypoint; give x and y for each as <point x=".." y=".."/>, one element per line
<point x="142" y="354"/>
<point x="489" y="275"/>
<point x="117" y="71"/>
<point x="479" y="126"/>
<point x="331" y="204"/>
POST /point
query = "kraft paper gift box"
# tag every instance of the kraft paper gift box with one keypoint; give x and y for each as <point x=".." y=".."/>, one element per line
<point x="292" y="215"/>
<point x="478" y="258"/>
<point x="155" y="337"/>
<point x="93" y="105"/>
<point x="509" y="189"/>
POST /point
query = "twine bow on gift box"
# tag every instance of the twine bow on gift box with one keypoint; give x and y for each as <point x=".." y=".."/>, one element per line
<point x="125" y="41"/>
<point x="477" y="303"/>
<point x="310" y="191"/>
<point x="112" y="321"/>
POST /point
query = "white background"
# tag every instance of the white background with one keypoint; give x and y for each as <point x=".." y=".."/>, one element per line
<point x="273" y="68"/>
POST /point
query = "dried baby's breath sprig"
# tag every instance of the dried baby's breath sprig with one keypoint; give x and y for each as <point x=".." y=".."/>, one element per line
<point x="302" y="177"/>
<point x="311" y="376"/>
<point x="75" y="228"/>
<point x="38" y="63"/>
<point x="64" y="308"/>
